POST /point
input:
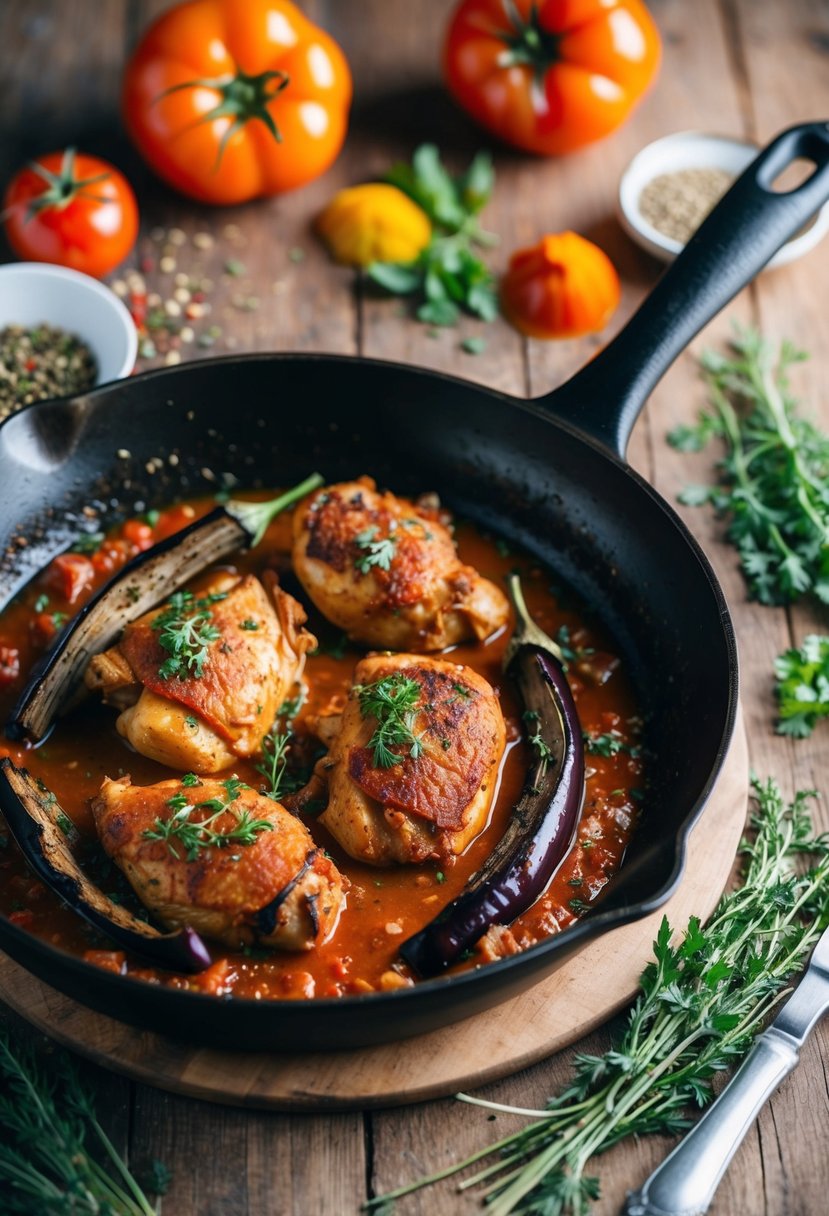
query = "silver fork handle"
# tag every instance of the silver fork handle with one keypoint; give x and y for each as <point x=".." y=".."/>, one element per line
<point x="685" y="1182"/>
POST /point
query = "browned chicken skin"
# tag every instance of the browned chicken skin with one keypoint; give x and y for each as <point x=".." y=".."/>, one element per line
<point x="388" y="572"/>
<point x="280" y="891"/>
<point x="203" y="722"/>
<point x="428" y="807"/>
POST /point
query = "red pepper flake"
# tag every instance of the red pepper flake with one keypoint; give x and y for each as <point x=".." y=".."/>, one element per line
<point x="25" y="918"/>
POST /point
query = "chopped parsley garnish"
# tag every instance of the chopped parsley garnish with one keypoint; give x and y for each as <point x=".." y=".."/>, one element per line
<point x="249" y="625"/>
<point x="392" y="702"/>
<point x="87" y="542"/>
<point x="185" y="631"/>
<point x="275" y="749"/>
<point x="375" y="552"/>
<point x="194" y="835"/>
<point x="41" y="603"/>
<point x="609" y="744"/>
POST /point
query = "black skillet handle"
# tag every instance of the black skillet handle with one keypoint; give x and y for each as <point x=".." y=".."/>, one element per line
<point x="741" y="234"/>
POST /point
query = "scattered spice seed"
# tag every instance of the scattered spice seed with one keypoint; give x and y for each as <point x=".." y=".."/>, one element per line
<point x="675" y="204"/>
<point x="40" y="362"/>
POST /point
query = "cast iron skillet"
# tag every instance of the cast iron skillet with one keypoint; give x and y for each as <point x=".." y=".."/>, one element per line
<point x="549" y="475"/>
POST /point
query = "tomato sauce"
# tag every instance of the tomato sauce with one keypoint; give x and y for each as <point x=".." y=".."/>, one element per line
<point x="384" y="906"/>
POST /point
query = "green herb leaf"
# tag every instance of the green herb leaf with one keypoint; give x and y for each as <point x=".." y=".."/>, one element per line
<point x="700" y="1005"/>
<point x="448" y="276"/>
<point x="194" y="832"/>
<point x="375" y="552"/>
<point x="773" y="474"/>
<point x="392" y="702"/>
<point x="802" y="687"/>
<point x="185" y="631"/>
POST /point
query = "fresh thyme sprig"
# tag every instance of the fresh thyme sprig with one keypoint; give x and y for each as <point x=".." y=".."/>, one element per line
<point x="392" y="702"/>
<point x="803" y="686"/>
<point x="374" y="552"/>
<point x="48" y="1122"/>
<point x="195" y="834"/>
<point x="275" y="749"/>
<point x="701" y="1003"/>
<point x="773" y="477"/>
<point x="185" y="631"/>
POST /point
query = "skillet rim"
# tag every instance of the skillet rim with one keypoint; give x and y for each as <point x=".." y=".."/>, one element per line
<point x="594" y="924"/>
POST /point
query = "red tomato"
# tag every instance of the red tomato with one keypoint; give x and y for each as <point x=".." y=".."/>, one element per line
<point x="550" y="75"/>
<point x="69" y="575"/>
<point x="228" y="101"/>
<point x="138" y="533"/>
<point x="73" y="210"/>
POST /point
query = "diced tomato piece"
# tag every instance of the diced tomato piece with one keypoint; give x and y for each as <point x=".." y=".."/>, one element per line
<point x="138" y="533"/>
<point x="108" y="960"/>
<point x="9" y="665"/>
<point x="70" y="574"/>
<point x="25" y="918"/>
<point x="111" y="556"/>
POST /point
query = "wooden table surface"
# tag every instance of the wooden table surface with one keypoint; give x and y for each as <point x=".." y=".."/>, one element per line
<point x="740" y="67"/>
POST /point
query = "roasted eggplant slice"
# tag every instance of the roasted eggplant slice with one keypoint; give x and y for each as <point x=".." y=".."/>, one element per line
<point x="33" y="816"/>
<point x="543" y="823"/>
<point x="139" y="586"/>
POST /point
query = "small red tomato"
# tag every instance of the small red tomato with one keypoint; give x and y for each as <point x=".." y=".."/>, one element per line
<point x="73" y="210"/>
<point x="69" y="575"/>
<point x="138" y="533"/>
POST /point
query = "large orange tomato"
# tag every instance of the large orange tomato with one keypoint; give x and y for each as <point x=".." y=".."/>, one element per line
<point x="232" y="99"/>
<point x="550" y="75"/>
<point x="71" y="209"/>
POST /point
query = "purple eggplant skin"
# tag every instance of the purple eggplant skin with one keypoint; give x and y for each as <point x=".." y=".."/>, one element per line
<point x="540" y="830"/>
<point x="31" y="813"/>
<point x="139" y="586"/>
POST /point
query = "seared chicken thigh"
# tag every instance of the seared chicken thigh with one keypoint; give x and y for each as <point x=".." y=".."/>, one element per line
<point x="427" y="795"/>
<point x="215" y="698"/>
<point x="266" y="883"/>
<point x="388" y="573"/>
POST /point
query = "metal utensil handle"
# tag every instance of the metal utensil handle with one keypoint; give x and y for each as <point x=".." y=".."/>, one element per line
<point x="744" y="230"/>
<point x="684" y="1184"/>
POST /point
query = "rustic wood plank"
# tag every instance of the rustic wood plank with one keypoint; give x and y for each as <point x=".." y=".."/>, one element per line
<point x="790" y="302"/>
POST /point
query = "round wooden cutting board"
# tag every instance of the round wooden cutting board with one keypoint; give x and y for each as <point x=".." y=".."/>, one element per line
<point x="582" y="994"/>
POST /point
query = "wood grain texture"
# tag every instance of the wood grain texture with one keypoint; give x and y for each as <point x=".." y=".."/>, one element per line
<point x="734" y="66"/>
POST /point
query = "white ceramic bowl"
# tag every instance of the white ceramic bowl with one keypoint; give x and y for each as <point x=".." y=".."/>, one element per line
<point x="696" y="150"/>
<point x="36" y="293"/>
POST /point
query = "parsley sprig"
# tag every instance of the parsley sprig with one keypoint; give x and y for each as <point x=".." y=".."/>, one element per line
<point x="609" y="743"/>
<point x="803" y="686"/>
<point x="774" y="474"/>
<point x="374" y="551"/>
<point x="194" y="834"/>
<point x="52" y="1144"/>
<point x="185" y="630"/>
<point x="701" y="1002"/>
<point x="448" y="276"/>
<point x="392" y="702"/>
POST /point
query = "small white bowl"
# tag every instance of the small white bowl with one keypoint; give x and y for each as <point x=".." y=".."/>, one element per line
<point x="37" y="293"/>
<point x="696" y="150"/>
